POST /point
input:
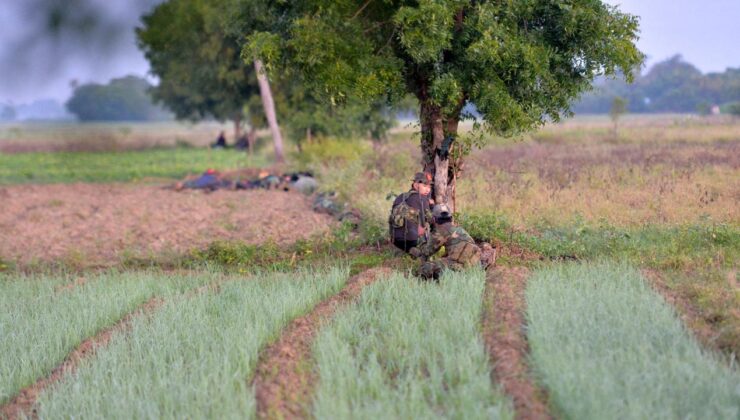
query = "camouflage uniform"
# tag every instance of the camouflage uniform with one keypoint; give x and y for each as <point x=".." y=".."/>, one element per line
<point x="460" y="251"/>
<point x="409" y="212"/>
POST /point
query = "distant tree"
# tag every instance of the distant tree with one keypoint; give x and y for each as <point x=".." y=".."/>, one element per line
<point x="732" y="108"/>
<point x="619" y="107"/>
<point x="7" y="113"/>
<point x="669" y="86"/>
<point x="519" y="62"/>
<point x="703" y="108"/>
<point x="123" y="99"/>
<point x="199" y="67"/>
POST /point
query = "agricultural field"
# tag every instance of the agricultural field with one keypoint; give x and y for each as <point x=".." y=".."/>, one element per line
<point x="615" y="293"/>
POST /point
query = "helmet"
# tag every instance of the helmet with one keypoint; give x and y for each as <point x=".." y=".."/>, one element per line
<point x="423" y="177"/>
<point x="441" y="211"/>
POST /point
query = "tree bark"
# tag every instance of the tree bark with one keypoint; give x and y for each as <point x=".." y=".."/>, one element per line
<point x="251" y="139"/>
<point x="434" y="128"/>
<point x="269" y="104"/>
<point x="432" y="135"/>
<point x="237" y="127"/>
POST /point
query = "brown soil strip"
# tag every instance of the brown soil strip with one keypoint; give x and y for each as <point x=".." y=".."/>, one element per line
<point x="503" y="322"/>
<point x="690" y="315"/>
<point x="23" y="404"/>
<point x="284" y="379"/>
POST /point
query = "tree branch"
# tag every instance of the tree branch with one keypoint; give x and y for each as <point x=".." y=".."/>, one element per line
<point x="357" y="13"/>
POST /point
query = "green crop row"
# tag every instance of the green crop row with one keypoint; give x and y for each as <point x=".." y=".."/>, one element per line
<point x="408" y="350"/>
<point x="192" y="358"/>
<point x="42" y="319"/>
<point x="118" y="166"/>
<point x="607" y="346"/>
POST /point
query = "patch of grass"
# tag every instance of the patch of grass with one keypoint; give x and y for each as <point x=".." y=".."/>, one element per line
<point x="408" y="350"/>
<point x="714" y="294"/>
<point x="40" y="325"/>
<point x="6" y="265"/>
<point x="193" y="358"/>
<point x="341" y="243"/>
<point x="677" y="247"/>
<point x="118" y="166"/>
<point x="606" y="346"/>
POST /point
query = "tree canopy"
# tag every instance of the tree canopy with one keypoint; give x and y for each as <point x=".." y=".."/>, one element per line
<point x="199" y="65"/>
<point x="519" y="62"/>
<point x="123" y="99"/>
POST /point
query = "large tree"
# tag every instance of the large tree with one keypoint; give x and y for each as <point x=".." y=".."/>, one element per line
<point x="520" y="62"/>
<point x="200" y="67"/>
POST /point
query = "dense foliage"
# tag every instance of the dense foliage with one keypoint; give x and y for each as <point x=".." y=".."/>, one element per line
<point x="201" y="73"/>
<point x="670" y="86"/>
<point x="124" y="99"/>
<point x="519" y="62"/>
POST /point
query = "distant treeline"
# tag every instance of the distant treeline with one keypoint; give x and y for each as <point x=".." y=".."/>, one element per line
<point x="124" y="99"/>
<point x="669" y="86"/>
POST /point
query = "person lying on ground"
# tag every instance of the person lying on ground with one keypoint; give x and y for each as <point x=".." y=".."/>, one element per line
<point x="210" y="180"/>
<point x="460" y="250"/>
<point x="411" y="215"/>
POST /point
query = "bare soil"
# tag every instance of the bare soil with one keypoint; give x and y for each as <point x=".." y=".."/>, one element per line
<point x="101" y="224"/>
<point x="284" y="378"/>
<point x="691" y="316"/>
<point x="503" y="325"/>
<point x="22" y="405"/>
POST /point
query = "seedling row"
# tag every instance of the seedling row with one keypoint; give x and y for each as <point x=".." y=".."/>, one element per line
<point x="603" y="345"/>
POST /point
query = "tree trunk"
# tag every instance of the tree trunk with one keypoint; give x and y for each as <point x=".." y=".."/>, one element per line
<point x="434" y="128"/>
<point x="454" y="168"/>
<point x="251" y="139"/>
<point x="269" y="104"/>
<point x="237" y="127"/>
<point x="432" y="135"/>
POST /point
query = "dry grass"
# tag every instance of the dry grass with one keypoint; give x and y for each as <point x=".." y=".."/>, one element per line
<point x="99" y="137"/>
<point x="665" y="169"/>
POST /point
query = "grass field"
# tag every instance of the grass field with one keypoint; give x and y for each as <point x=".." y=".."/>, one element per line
<point x="409" y="350"/>
<point x="596" y="218"/>
<point x="18" y="137"/>
<point x="606" y="346"/>
<point x="43" y="318"/>
<point x="126" y="166"/>
<point x="194" y="357"/>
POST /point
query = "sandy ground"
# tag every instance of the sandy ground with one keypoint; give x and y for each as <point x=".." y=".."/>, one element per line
<point x="100" y="224"/>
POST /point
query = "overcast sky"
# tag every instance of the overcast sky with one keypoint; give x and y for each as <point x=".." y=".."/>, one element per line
<point x="32" y="67"/>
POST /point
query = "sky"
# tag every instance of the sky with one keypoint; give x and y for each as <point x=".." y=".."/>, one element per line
<point x="33" y="67"/>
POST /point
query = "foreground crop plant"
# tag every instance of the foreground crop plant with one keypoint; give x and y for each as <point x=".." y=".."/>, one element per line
<point x="518" y="62"/>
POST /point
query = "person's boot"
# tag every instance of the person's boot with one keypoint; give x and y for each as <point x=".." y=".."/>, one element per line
<point x="487" y="255"/>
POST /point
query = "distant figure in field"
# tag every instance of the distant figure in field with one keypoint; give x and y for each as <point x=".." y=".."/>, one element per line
<point x="242" y="143"/>
<point x="220" y="142"/>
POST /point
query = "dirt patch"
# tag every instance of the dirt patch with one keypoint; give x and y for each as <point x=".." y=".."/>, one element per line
<point x="94" y="224"/>
<point x="284" y="378"/>
<point x="22" y="405"/>
<point x="690" y="315"/>
<point x="503" y="324"/>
